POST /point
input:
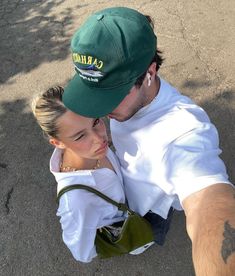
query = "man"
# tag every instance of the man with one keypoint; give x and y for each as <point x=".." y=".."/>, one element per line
<point x="167" y="146"/>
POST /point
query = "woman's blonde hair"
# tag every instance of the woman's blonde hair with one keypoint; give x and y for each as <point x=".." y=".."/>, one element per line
<point x="47" y="109"/>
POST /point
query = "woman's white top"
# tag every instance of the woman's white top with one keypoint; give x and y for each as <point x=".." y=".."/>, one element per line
<point x="82" y="212"/>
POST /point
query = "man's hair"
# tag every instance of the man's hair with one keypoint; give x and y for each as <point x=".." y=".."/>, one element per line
<point x="157" y="58"/>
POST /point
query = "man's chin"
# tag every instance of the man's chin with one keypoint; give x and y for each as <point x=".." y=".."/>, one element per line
<point x="119" y="118"/>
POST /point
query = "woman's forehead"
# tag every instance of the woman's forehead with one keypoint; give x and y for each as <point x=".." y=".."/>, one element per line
<point x="72" y="122"/>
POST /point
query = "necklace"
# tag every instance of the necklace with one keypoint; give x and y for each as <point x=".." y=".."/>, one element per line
<point x="97" y="165"/>
<point x="72" y="169"/>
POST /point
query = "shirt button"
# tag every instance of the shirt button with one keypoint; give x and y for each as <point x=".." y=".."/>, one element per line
<point x="99" y="17"/>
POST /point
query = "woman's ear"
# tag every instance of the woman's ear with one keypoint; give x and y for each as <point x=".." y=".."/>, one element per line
<point x="56" y="143"/>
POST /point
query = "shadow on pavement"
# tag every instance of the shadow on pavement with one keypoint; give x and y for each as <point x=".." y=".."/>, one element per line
<point x="32" y="34"/>
<point x="28" y="207"/>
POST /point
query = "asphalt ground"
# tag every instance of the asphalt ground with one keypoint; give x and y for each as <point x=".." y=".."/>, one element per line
<point x="197" y="39"/>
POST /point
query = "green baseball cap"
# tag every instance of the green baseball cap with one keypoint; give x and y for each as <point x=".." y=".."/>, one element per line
<point x="110" y="51"/>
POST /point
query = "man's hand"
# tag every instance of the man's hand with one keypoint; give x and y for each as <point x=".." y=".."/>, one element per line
<point x="210" y="220"/>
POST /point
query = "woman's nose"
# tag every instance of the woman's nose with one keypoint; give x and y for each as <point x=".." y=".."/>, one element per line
<point x="98" y="137"/>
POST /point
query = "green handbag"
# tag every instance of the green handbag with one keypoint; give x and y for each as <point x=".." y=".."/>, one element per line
<point x="122" y="237"/>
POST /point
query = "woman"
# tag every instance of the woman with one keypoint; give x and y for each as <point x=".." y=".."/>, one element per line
<point x="81" y="147"/>
<point x="81" y="156"/>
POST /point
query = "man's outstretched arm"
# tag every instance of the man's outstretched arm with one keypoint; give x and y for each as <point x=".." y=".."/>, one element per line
<point x="210" y="221"/>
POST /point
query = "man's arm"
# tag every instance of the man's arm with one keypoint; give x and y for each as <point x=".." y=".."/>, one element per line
<point x="210" y="221"/>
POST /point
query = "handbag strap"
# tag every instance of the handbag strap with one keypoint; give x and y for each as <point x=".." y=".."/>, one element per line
<point x="121" y="206"/>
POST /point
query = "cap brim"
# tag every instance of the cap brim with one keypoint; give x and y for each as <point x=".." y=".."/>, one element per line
<point x="93" y="102"/>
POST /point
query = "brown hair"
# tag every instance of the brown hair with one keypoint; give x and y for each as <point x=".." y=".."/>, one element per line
<point x="156" y="58"/>
<point x="47" y="108"/>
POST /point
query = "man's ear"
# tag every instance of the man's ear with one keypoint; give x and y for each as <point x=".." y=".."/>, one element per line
<point x="151" y="74"/>
<point x="56" y="143"/>
<point x="152" y="69"/>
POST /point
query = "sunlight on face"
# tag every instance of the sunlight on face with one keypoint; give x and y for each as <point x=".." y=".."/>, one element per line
<point x="86" y="137"/>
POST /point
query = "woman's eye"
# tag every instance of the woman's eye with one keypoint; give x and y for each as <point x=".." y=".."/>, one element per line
<point x="79" y="137"/>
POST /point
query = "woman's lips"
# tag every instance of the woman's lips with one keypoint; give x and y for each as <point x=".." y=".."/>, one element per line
<point x="103" y="147"/>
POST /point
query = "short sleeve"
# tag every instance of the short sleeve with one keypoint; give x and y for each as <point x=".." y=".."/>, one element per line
<point x="193" y="162"/>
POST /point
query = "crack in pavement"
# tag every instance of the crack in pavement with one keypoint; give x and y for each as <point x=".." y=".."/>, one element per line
<point x="8" y="200"/>
<point x="192" y="47"/>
